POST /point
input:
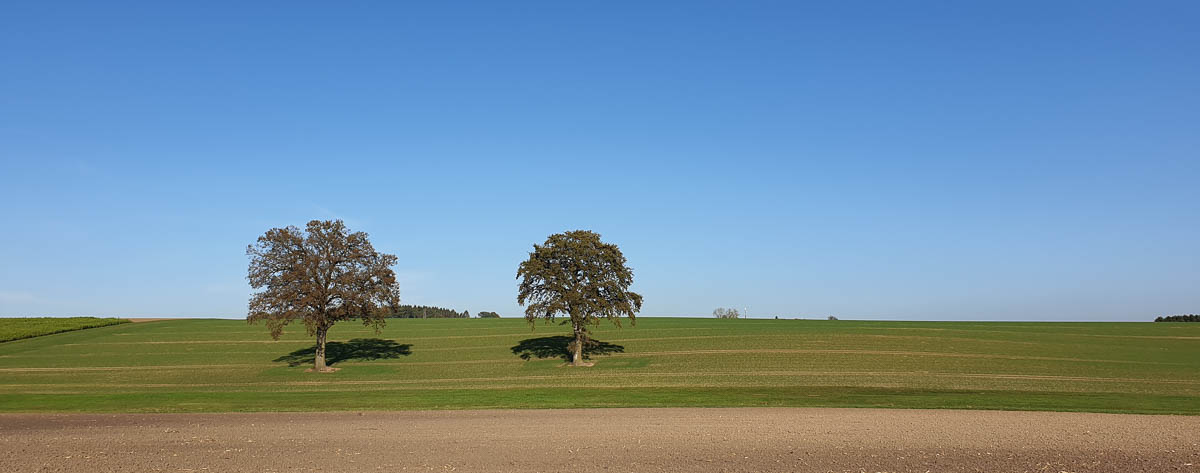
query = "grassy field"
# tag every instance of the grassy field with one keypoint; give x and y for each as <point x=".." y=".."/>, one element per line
<point x="227" y="365"/>
<point x="29" y="327"/>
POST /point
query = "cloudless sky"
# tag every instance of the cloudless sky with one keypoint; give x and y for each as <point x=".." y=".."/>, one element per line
<point x="904" y="160"/>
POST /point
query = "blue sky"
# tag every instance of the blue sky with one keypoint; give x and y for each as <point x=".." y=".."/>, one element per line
<point x="900" y="160"/>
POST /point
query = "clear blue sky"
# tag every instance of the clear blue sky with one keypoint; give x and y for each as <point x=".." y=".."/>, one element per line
<point x="908" y="160"/>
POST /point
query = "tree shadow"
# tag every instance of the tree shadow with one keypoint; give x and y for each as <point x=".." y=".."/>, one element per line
<point x="556" y="347"/>
<point x="356" y="349"/>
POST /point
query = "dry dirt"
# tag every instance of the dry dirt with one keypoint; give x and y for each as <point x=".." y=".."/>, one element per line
<point x="610" y="440"/>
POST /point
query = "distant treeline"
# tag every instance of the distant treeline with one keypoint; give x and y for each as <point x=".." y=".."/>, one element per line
<point x="1179" y="318"/>
<point x="423" y="312"/>
<point x="488" y="315"/>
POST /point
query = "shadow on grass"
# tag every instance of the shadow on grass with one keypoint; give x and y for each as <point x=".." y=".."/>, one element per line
<point x="356" y="349"/>
<point x="556" y="347"/>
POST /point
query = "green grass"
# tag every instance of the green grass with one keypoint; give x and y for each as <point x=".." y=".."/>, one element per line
<point x="29" y="327"/>
<point x="223" y="365"/>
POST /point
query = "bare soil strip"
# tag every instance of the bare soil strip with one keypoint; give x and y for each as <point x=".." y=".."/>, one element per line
<point x="734" y="440"/>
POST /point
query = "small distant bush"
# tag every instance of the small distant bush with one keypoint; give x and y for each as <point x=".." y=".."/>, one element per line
<point x="1179" y="318"/>
<point x="832" y="318"/>
<point x="488" y="315"/>
<point x="29" y="327"/>
<point x="723" y="313"/>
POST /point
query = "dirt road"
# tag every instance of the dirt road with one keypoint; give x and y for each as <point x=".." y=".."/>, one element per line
<point x="818" y="440"/>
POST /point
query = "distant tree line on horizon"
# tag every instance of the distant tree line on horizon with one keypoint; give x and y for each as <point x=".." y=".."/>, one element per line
<point x="422" y="312"/>
<point x="488" y="315"/>
<point x="1179" y="318"/>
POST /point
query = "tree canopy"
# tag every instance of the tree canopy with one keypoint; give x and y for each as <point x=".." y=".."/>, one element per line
<point x="488" y="315"/>
<point x="576" y="275"/>
<point x="320" y="275"/>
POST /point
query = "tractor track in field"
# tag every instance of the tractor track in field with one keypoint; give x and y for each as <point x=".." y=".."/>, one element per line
<point x="538" y="381"/>
<point x="596" y="440"/>
<point x="616" y="355"/>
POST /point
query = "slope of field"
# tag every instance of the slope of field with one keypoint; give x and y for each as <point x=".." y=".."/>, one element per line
<point x="226" y="365"/>
<point x="29" y="327"/>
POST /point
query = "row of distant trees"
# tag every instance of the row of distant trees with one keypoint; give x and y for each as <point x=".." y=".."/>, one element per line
<point x="429" y="312"/>
<point x="724" y="313"/>
<point x="423" y="312"/>
<point x="1179" y="318"/>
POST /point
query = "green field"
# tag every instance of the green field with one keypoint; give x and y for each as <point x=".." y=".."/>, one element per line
<point x="227" y="365"/>
<point x="29" y="327"/>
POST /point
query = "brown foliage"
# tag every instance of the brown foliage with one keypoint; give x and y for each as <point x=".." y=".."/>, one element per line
<point x="320" y="275"/>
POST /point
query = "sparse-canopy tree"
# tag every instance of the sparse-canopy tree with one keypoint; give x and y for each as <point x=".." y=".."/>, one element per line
<point x="723" y="313"/>
<point x="576" y="275"/>
<point x="320" y="275"/>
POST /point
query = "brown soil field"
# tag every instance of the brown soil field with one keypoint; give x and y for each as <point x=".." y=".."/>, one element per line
<point x="595" y="440"/>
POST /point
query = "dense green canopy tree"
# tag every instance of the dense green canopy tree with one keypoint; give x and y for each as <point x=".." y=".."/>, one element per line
<point x="320" y="275"/>
<point x="576" y="275"/>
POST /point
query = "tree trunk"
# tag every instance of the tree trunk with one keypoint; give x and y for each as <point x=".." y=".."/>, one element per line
<point x="319" y="359"/>
<point x="577" y="357"/>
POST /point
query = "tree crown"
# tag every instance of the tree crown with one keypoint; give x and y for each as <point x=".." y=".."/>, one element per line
<point x="577" y="275"/>
<point x="320" y="275"/>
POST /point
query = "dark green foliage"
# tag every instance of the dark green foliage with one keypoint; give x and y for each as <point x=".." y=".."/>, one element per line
<point x="575" y="274"/>
<point x="29" y="327"/>
<point x="423" y="312"/>
<point x="488" y="315"/>
<point x="1179" y="318"/>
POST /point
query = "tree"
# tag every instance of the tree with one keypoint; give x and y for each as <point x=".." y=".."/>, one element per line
<point x="576" y="275"/>
<point x="488" y="315"/>
<point x="466" y="314"/>
<point x="320" y="275"/>
<point x="723" y="313"/>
